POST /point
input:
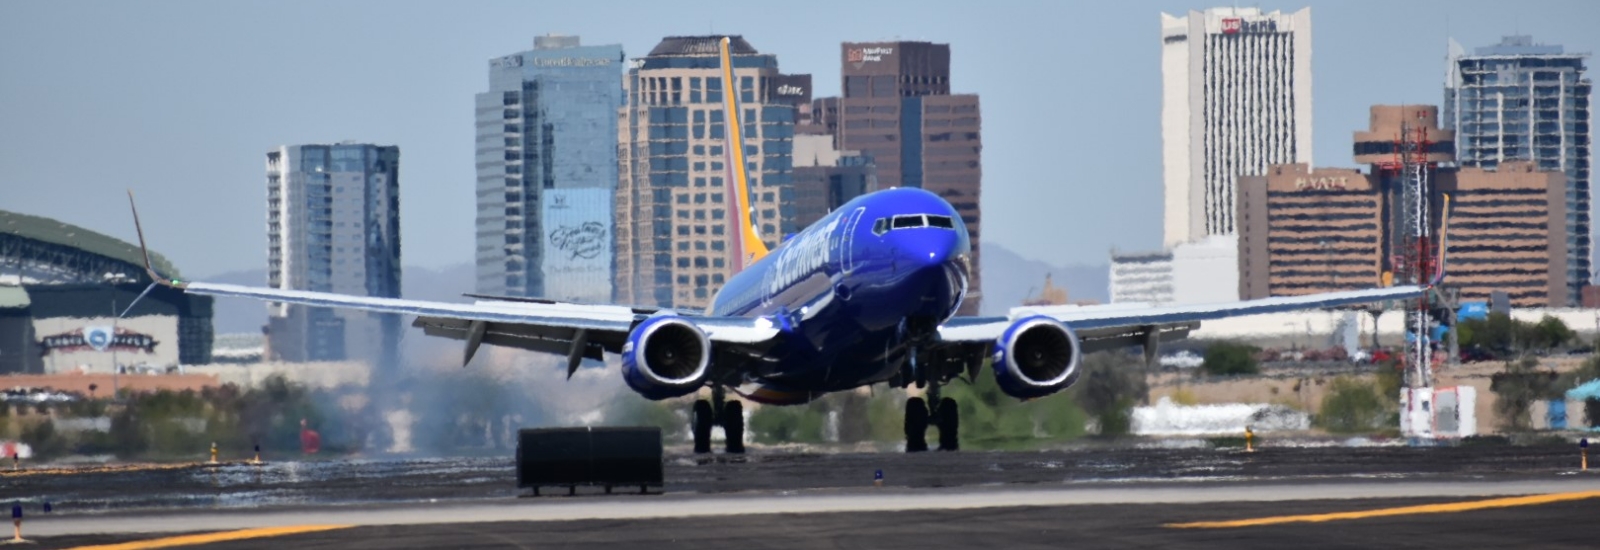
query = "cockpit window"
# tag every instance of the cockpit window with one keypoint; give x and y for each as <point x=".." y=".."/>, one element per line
<point x="903" y="222"/>
<point x="912" y="221"/>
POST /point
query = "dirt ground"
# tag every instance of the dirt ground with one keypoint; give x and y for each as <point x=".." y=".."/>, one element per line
<point x="1304" y="387"/>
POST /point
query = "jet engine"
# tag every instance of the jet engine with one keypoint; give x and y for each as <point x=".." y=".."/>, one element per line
<point x="1035" y="357"/>
<point x="666" y="356"/>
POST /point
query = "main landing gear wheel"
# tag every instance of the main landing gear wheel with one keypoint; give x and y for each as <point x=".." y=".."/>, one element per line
<point x="916" y="425"/>
<point x="701" y="421"/>
<point x="949" y="419"/>
<point x="733" y="426"/>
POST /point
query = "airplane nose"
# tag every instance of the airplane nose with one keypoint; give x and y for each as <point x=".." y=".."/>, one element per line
<point x="929" y="248"/>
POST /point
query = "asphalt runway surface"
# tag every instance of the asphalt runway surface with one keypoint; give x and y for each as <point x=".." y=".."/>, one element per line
<point x="1097" y="497"/>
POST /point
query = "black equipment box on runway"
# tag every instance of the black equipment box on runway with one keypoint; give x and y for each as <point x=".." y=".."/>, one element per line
<point x="589" y="456"/>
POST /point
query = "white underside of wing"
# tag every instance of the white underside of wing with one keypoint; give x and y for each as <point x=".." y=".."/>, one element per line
<point x="584" y="316"/>
<point x="1116" y="315"/>
<point x="736" y="330"/>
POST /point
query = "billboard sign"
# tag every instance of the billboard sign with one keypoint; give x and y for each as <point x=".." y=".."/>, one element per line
<point x="571" y="61"/>
<point x="97" y="338"/>
<point x="577" y="243"/>
<point x="791" y="89"/>
<point x="507" y="62"/>
<point x="867" y="55"/>
<point x="1236" y="25"/>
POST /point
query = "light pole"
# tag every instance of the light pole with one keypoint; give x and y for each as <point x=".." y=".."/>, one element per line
<point x="116" y="377"/>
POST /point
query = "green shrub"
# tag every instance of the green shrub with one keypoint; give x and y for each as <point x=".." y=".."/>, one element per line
<point x="789" y="424"/>
<point x="1107" y="389"/>
<point x="992" y="420"/>
<point x="1352" y="407"/>
<point x="1230" y="358"/>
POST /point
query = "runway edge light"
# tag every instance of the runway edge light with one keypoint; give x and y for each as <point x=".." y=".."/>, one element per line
<point x="16" y="522"/>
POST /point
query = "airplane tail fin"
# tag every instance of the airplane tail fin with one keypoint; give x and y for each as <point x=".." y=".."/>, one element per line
<point x="746" y="245"/>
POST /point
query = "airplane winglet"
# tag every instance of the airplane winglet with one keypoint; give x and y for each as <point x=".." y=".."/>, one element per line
<point x="1444" y="244"/>
<point x="148" y="268"/>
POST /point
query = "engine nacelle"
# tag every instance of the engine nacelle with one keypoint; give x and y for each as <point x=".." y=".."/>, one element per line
<point x="1035" y="357"/>
<point x="666" y="356"/>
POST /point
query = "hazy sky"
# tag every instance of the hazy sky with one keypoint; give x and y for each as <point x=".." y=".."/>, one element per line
<point x="181" y="100"/>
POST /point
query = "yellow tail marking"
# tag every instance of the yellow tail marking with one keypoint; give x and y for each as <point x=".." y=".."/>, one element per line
<point x="751" y="245"/>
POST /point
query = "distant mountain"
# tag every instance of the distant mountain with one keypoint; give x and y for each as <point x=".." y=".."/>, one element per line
<point x="1008" y="279"/>
<point x="235" y="315"/>
<point x="232" y="315"/>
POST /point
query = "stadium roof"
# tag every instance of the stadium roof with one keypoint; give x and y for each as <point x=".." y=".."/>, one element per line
<point x="66" y="234"/>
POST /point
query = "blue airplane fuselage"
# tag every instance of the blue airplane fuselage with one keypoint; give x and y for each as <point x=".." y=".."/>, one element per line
<point x="850" y="292"/>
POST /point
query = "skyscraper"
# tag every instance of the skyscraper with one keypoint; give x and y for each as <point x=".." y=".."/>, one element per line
<point x="1305" y="230"/>
<point x="825" y="178"/>
<point x="547" y="170"/>
<point x="333" y="225"/>
<point x="1236" y="98"/>
<point x="897" y="109"/>
<point x="671" y="236"/>
<point x="1523" y="101"/>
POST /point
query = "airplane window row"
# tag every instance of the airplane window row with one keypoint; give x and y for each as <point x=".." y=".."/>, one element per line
<point x="883" y="225"/>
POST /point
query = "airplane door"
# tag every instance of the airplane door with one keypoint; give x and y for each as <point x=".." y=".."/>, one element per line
<point x="847" y="243"/>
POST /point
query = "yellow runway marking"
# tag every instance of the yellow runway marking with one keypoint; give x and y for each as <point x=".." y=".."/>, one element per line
<point x="223" y="536"/>
<point x="117" y="468"/>
<point x="1401" y="511"/>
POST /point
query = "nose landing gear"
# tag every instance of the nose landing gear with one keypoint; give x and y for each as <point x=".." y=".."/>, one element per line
<point x="945" y="415"/>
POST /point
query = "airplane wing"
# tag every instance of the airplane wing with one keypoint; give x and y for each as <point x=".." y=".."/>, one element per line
<point x="1117" y="325"/>
<point x="577" y="331"/>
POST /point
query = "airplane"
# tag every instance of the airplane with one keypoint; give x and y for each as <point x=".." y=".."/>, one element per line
<point x="866" y="295"/>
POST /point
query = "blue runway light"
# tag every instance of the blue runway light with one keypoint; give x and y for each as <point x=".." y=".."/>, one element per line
<point x="16" y="511"/>
<point x="1583" y="443"/>
<point x="47" y="508"/>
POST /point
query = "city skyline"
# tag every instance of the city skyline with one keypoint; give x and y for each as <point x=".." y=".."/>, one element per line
<point x="333" y="224"/>
<point x="1236" y="98"/>
<point x="1519" y="101"/>
<point x="240" y="95"/>
<point x="547" y="148"/>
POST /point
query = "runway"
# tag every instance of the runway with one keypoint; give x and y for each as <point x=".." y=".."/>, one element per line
<point x="401" y="480"/>
<point x="1097" y="517"/>
<point x="1088" y="497"/>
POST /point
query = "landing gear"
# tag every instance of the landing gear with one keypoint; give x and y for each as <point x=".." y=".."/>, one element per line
<point x="733" y="426"/>
<point x="704" y="419"/>
<point x="949" y="420"/>
<point x="701" y="423"/>
<point x="945" y="415"/>
<point x="916" y="425"/>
